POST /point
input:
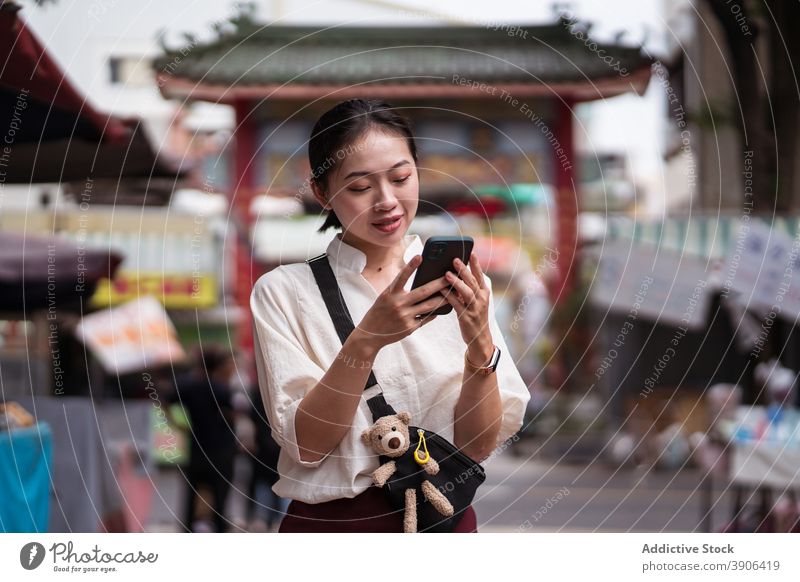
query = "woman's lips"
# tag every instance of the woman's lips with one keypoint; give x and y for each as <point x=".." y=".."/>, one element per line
<point x="390" y="227"/>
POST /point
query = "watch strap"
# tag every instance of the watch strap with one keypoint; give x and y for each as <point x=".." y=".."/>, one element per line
<point x="488" y="368"/>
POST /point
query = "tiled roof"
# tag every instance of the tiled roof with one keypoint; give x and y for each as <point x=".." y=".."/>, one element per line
<point x="348" y="55"/>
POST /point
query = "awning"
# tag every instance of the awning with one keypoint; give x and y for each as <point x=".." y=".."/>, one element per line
<point x="50" y="133"/>
<point x="31" y="83"/>
<point x="72" y="159"/>
<point x="49" y="273"/>
<point x="750" y="260"/>
<point x="516" y="195"/>
<point x="709" y="237"/>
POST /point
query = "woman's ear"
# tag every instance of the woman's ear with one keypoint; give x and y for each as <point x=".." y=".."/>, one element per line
<point x="319" y="195"/>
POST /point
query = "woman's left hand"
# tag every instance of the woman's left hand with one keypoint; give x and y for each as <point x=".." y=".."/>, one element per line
<point x="470" y="300"/>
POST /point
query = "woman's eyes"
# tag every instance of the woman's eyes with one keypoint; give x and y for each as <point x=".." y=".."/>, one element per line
<point x="365" y="188"/>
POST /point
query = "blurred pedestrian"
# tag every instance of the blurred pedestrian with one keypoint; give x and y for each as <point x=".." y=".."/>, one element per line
<point x="264" y="508"/>
<point x="205" y="395"/>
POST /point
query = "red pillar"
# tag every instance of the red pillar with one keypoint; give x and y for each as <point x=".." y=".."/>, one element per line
<point x="243" y="188"/>
<point x="245" y="140"/>
<point x="566" y="201"/>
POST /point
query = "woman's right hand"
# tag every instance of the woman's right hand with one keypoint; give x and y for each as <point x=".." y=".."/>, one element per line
<point x="393" y="316"/>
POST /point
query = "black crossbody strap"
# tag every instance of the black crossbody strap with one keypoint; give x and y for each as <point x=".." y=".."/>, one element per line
<point x="343" y="322"/>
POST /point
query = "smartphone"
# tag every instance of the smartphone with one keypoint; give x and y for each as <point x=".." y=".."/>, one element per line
<point x="437" y="259"/>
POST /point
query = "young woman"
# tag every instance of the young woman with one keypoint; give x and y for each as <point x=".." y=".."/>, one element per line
<point x="363" y="158"/>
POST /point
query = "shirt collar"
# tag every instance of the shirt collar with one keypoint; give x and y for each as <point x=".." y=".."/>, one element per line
<point x="342" y="255"/>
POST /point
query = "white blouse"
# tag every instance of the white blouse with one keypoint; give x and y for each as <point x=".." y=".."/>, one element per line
<point x="296" y="342"/>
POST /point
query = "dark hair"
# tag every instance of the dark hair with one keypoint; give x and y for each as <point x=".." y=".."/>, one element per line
<point x="212" y="357"/>
<point x="341" y="126"/>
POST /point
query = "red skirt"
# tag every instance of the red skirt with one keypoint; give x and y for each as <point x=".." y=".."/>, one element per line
<point x="369" y="512"/>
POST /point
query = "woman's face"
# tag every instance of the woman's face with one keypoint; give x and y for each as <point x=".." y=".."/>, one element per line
<point x="376" y="180"/>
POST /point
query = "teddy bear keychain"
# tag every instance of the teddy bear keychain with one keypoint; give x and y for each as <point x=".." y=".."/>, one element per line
<point x="389" y="436"/>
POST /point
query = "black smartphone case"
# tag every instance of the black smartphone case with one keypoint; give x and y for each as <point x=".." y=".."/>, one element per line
<point x="437" y="259"/>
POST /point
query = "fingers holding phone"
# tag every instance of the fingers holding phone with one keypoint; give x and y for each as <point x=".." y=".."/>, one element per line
<point x="438" y="258"/>
<point x="395" y="313"/>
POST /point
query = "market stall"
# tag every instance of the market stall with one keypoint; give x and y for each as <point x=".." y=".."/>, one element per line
<point x="25" y="463"/>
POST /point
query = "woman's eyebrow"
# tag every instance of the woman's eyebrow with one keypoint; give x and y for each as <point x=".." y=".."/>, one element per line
<point x="360" y="173"/>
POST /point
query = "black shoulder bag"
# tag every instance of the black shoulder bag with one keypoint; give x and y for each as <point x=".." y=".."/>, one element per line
<point x="459" y="476"/>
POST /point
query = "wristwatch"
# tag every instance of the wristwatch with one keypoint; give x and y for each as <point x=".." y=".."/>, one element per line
<point x="488" y="368"/>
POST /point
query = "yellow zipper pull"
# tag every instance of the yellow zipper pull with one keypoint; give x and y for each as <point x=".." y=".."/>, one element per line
<point x="421" y="457"/>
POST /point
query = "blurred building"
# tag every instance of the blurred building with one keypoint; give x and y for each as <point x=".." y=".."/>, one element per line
<point x="492" y="107"/>
<point x="69" y="177"/>
<point x="706" y="167"/>
<point x="97" y="184"/>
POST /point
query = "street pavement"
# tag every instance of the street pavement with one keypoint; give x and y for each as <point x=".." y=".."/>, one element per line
<point x="525" y="493"/>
